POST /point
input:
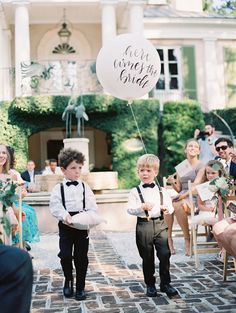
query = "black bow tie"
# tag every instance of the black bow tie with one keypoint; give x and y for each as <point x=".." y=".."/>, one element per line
<point x="152" y="185"/>
<point x="69" y="183"/>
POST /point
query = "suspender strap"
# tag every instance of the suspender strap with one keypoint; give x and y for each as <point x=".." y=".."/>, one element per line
<point x="83" y="196"/>
<point x="140" y="194"/>
<point x="63" y="196"/>
<point x="142" y="200"/>
<point x="161" y="201"/>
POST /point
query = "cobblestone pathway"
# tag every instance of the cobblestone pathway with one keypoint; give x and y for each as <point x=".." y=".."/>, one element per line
<point x="115" y="287"/>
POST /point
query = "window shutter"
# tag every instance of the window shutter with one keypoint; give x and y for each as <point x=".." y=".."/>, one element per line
<point x="230" y="75"/>
<point x="189" y="72"/>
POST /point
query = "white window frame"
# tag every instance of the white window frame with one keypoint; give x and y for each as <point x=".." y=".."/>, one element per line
<point x="167" y="92"/>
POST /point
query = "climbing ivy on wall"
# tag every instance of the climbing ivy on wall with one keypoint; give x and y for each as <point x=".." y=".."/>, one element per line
<point x="27" y="116"/>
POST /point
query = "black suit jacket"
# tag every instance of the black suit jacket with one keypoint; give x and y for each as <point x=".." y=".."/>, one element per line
<point x="232" y="170"/>
<point x="16" y="280"/>
<point x="26" y="176"/>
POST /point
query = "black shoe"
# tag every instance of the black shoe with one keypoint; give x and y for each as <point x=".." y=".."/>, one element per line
<point x="169" y="290"/>
<point x="27" y="246"/>
<point x="210" y="237"/>
<point x="80" y="295"/>
<point x="68" y="290"/>
<point x="151" y="291"/>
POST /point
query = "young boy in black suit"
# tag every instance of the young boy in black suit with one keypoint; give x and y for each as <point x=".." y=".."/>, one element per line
<point x="149" y="203"/>
<point x="67" y="199"/>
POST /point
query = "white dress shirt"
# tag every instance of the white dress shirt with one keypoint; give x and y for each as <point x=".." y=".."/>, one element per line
<point x="73" y="200"/>
<point x="31" y="175"/>
<point x="151" y="195"/>
<point x="226" y="164"/>
<point x="48" y="171"/>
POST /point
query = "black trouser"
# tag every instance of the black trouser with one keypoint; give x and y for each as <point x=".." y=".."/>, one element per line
<point x="150" y="234"/>
<point x="16" y="279"/>
<point x="78" y="239"/>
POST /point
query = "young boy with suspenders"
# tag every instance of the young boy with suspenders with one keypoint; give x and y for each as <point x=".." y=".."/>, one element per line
<point x="71" y="197"/>
<point x="148" y="202"/>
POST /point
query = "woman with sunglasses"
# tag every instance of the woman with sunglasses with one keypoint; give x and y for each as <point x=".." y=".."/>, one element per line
<point x="224" y="149"/>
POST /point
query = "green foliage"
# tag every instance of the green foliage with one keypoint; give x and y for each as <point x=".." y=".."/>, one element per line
<point x="26" y="116"/>
<point x="180" y="120"/>
<point x="7" y="193"/>
<point x="7" y="198"/>
<point x="229" y="115"/>
<point x="222" y="7"/>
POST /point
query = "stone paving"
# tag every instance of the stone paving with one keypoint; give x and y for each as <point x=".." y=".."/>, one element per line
<point x="114" y="281"/>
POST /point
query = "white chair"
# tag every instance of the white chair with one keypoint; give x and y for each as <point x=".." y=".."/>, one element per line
<point x="199" y="246"/>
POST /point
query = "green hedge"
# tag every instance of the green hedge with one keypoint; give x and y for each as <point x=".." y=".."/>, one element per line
<point x="26" y="116"/>
<point x="180" y="119"/>
<point x="229" y="115"/>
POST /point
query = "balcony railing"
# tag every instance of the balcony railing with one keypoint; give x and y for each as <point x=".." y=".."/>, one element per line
<point x="51" y="78"/>
<point x="59" y="77"/>
<point x="64" y="77"/>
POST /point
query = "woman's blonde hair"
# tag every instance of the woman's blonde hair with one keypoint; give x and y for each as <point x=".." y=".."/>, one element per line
<point x="190" y="140"/>
<point x="148" y="160"/>
<point x="6" y="166"/>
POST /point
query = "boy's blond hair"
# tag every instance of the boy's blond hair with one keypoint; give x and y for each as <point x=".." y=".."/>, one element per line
<point x="148" y="160"/>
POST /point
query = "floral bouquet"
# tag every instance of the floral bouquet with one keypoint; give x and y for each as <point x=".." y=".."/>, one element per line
<point x="7" y="197"/>
<point x="220" y="186"/>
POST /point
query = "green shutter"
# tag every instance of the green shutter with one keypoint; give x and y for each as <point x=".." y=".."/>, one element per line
<point x="230" y="76"/>
<point x="189" y="72"/>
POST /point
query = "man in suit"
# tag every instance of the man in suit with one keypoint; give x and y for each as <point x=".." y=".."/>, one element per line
<point x="29" y="174"/>
<point x="224" y="149"/>
<point x="16" y="279"/>
<point x="53" y="169"/>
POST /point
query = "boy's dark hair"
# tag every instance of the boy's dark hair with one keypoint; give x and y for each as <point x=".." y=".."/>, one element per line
<point x="210" y="124"/>
<point x="222" y="139"/>
<point x="52" y="161"/>
<point x="66" y="156"/>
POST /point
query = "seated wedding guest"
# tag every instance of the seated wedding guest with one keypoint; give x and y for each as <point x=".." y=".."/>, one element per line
<point x="190" y="169"/>
<point x="53" y="168"/>
<point x="30" y="231"/>
<point x="16" y="280"/>
<point x="29" y="176"/>
<point x="207" y="213"/>
<point x="224" y="149"/>
<point x="225" y="234"/>
<point x="46" y="162"/>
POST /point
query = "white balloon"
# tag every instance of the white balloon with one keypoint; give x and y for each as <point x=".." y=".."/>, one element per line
<point x="128" y="66"/>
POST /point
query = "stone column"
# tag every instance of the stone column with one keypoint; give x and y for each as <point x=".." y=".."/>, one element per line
<point x="5" y="60"/>
<point x="22" y="41"/>
<point x="108" y="20"/>
<point x="136" y="17"/>
<point x="214" y="96"/>
<point x="1" y="60"/>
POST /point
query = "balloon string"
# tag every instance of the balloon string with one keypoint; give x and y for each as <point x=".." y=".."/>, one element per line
<point x="135" y="120"/>
<point x="136" y="123"/>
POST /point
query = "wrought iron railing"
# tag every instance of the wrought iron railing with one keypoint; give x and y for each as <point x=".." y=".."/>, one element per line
<point x="62" y="77"/>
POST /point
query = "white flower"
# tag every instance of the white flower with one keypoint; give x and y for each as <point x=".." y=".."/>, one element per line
<point x="213" y="188"/>
<point x="221" y="183"/>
